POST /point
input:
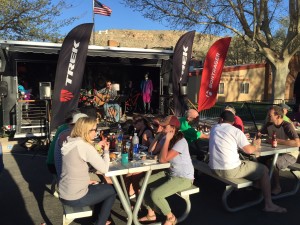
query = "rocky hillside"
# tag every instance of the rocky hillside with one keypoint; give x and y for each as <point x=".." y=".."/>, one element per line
<point x="160" y="39"/>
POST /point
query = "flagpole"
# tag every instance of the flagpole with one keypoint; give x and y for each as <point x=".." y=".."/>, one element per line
<point x="94" y="22"/>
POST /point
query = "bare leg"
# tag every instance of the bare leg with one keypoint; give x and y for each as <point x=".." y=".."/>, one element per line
<point x="266" y="190"/>
<point x="277" y="188"/>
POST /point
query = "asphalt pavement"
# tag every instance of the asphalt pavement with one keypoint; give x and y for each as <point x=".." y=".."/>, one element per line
<point x="25" y="199"/>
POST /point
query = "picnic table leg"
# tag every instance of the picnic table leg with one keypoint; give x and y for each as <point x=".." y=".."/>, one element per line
<point x="227" y="192"/>
<point x="124" y="189"/>
<point x="140" y="198"/>
<point x="273" y="164"/>
<point x="295" y="189"/>
<point x="123" y="200"/>
<point x="187" y="209"/>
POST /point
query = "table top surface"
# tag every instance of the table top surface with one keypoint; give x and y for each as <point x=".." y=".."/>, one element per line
<point x="117" y="168"/>
<point x="266" y="149"/>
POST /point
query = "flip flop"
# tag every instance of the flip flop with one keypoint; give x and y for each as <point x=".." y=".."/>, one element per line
<point x="148" y="218"/>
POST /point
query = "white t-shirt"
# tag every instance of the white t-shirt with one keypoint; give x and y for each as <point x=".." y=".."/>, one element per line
<point x="224" y="142"/>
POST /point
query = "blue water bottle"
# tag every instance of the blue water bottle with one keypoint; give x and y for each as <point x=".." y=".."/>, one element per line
<point x="135" y="144"/>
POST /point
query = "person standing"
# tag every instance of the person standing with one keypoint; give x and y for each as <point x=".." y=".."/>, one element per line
<point x="75" y="187"/>
<point x="107" y="96"/>
<point x="224" y="161"/>
<point x="147" y="88"/>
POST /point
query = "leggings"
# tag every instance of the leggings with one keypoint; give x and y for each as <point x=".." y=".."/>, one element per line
<point x="161" y="186"/>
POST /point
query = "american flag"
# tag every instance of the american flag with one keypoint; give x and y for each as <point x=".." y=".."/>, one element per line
<point x="101" y="9"/>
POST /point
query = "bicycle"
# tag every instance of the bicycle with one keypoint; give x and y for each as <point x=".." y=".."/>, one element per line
<point x="132" y="103"/>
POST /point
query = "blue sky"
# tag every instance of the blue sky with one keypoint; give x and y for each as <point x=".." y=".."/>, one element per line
<point x="121" y="18"/>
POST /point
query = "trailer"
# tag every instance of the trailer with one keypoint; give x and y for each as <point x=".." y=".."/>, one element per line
<point x="33" y="66"/>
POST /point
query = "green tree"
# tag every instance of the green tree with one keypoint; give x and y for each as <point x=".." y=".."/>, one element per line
<point x="257" y="22"/>
<point x="32" y="19"/>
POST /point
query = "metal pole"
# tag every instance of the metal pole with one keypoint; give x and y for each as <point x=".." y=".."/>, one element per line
<point x="94" y="31"/>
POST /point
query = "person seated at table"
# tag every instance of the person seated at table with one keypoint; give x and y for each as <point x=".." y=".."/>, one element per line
<point x="224" y="160"/>
<point x="191" y="134"/>
<point x="156" y="144"/>
<point x="238" y="122"/>
<point x="180" y="176"/>
<point x="107" y="96"/>
<point x="286" y="135"/>
<point x="145" y="135"/>
<point x="286" y="109"/>
<point x="75" y="188"/>
<point x="144" y="131"/>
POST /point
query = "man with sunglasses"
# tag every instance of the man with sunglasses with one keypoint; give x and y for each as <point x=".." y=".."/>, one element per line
<point x="191" y="134"/>
<point x="108" y="95"/>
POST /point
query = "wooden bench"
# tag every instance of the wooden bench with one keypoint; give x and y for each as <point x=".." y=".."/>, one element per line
<point x="71" y="213"/>
<point x="185" y="194"/>
<point x="231" y="185"/>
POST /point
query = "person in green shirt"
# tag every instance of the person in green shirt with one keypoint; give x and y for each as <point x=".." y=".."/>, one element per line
<point x="286" y="108"/>
<point x="191" y="134"/>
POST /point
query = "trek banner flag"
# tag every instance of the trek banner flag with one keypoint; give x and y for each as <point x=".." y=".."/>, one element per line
<point x="211" y="74"/>
<point x="69" y="73"/>
<point x="181" y="61"/>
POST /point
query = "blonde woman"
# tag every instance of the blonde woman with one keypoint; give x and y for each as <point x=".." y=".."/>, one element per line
<point x="75" y="187"/>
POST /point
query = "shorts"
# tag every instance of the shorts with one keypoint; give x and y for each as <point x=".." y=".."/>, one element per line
<point x="284" y="161"/>
<point x="247" y="169"/>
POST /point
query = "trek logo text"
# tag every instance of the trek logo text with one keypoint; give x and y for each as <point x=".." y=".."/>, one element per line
<point x="72" y="63"/>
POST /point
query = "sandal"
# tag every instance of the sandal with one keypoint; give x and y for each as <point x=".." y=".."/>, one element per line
<point x="148" y="218"/>
<point x="172" y="220"/>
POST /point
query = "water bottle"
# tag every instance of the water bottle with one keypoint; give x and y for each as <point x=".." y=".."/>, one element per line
<point x="135" y="144"/>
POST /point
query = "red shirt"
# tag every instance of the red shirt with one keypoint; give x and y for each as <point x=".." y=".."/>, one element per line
<point x="238" y="123"/>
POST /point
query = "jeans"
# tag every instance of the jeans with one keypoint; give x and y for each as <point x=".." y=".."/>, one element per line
<point x="102" y="196"/>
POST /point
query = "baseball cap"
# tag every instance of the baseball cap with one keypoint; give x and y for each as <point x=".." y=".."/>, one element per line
<point x="285" y="106"/>
<point x="77" y="116"/>
<point x="227" y="116"/>
<point x="170" y="120"/>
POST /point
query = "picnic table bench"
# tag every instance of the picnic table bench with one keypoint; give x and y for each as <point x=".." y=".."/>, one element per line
<point x="231" y="185"/>
<point x="71" y="213"/>
<point x="295" y="171"/>
<point x="185" y="194"/>
<point x="238" y="183"/>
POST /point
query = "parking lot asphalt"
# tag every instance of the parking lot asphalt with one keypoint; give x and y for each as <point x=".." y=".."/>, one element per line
<point x="25" y="199"/>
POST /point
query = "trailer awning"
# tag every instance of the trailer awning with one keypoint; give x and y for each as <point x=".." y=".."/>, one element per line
<point x="93" y="50"/>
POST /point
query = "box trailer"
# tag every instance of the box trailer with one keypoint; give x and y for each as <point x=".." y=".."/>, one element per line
<point x="33" y="66"/>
